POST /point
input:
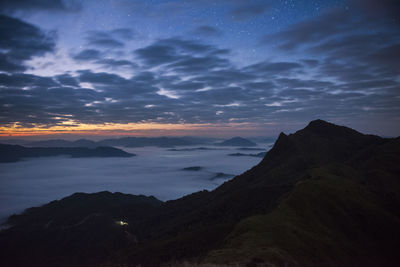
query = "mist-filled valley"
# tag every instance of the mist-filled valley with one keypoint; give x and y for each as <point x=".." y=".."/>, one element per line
<point x="161" y="172"/>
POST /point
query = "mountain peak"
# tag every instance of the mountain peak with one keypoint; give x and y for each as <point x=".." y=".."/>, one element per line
<point x="316" y="125"/>
<point x="318" y="142"/>
<point x="282" y="135"/>
<point x="319" y="123"/>
<point x="282" y="138"/>
<point x="326" y="129"/>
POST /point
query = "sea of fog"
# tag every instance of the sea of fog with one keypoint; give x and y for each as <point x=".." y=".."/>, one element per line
<point x="154" y="171"/>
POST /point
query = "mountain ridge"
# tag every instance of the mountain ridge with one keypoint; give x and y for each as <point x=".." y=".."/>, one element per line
<point x="14" y="153"/>
<point x="324" y="175"/>
<point x="237" y="141"/>
<point x="131" y="141"/>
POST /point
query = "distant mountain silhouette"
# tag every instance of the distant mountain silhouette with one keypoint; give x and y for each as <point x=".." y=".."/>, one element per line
<point x="63" y="143"/>
<point x="236" y="141"/>
<point x="193" y="168"/>
<point x="136" y="142"/>
<point x="258" y="155"/>
<point x="250" y="149"/>
<point x="193" y="149"/>
<point x="124" y="141"/>
<point x="148" y="141"/>
<point x="13" y="153"/>
<point x="85" y="143"/>
<point x="324" y="196"/>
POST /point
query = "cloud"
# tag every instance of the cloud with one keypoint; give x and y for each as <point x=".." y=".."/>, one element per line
<point x="191" y="46"/>
<point x="101" y="58"/>
<point x="249" y="10"/>
<point x="123" y="33"/>
<point x="156" y="54"/>
<point x="178" y="80"/>
<point x="207" y="31"/>
<point x="20" y="80"/>
<point x="67" y="80"/>
<point x="181" y="55"/>
<point x="313" y="30"/>
<point x="295" y="83"/>
<point x="340" y="71"/>
<point x="274" y="68"/>
<point x="190" y="64"/>
<point x="40" y="5"/>
<point x="103" y="39"/>
<point x="358" y="54"/>
<point x="29" y="99"/>
<point x="111" y="39"/>
<point x="9" y="65"/>
<point x="88" y="54"/>
<point x="388" y="10"/>
<point x="101" y="78"/>
<point x="21" y="41"/>
<point x="115" y="63"/>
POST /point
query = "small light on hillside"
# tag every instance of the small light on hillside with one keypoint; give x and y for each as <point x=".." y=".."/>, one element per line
<point x="122" y="223"/>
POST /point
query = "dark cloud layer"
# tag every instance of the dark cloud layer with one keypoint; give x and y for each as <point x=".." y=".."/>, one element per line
<point x="112" y="39"/>
<point x="103" y="39"/>
<point x="355" y="49"/>
<point x="207" y="31"/>
<point x="20" y="41"/>
<point x="341" y="70"/>
<point x="101" y="58"/>
<point x="87" y="54"/>
<point x="249" y="10"/>
<point x="48" y="5"/>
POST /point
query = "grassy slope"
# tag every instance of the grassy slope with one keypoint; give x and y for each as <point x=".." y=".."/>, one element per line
<point x="328" y="220"/>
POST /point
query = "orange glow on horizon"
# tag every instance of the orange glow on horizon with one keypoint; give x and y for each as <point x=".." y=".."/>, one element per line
<point x="128" y="129"/>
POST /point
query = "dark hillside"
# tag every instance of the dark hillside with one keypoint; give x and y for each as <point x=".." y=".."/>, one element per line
<point x="324" y="196"/>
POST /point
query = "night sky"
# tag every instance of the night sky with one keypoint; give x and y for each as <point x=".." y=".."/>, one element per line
<point x="197" y="67"/>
